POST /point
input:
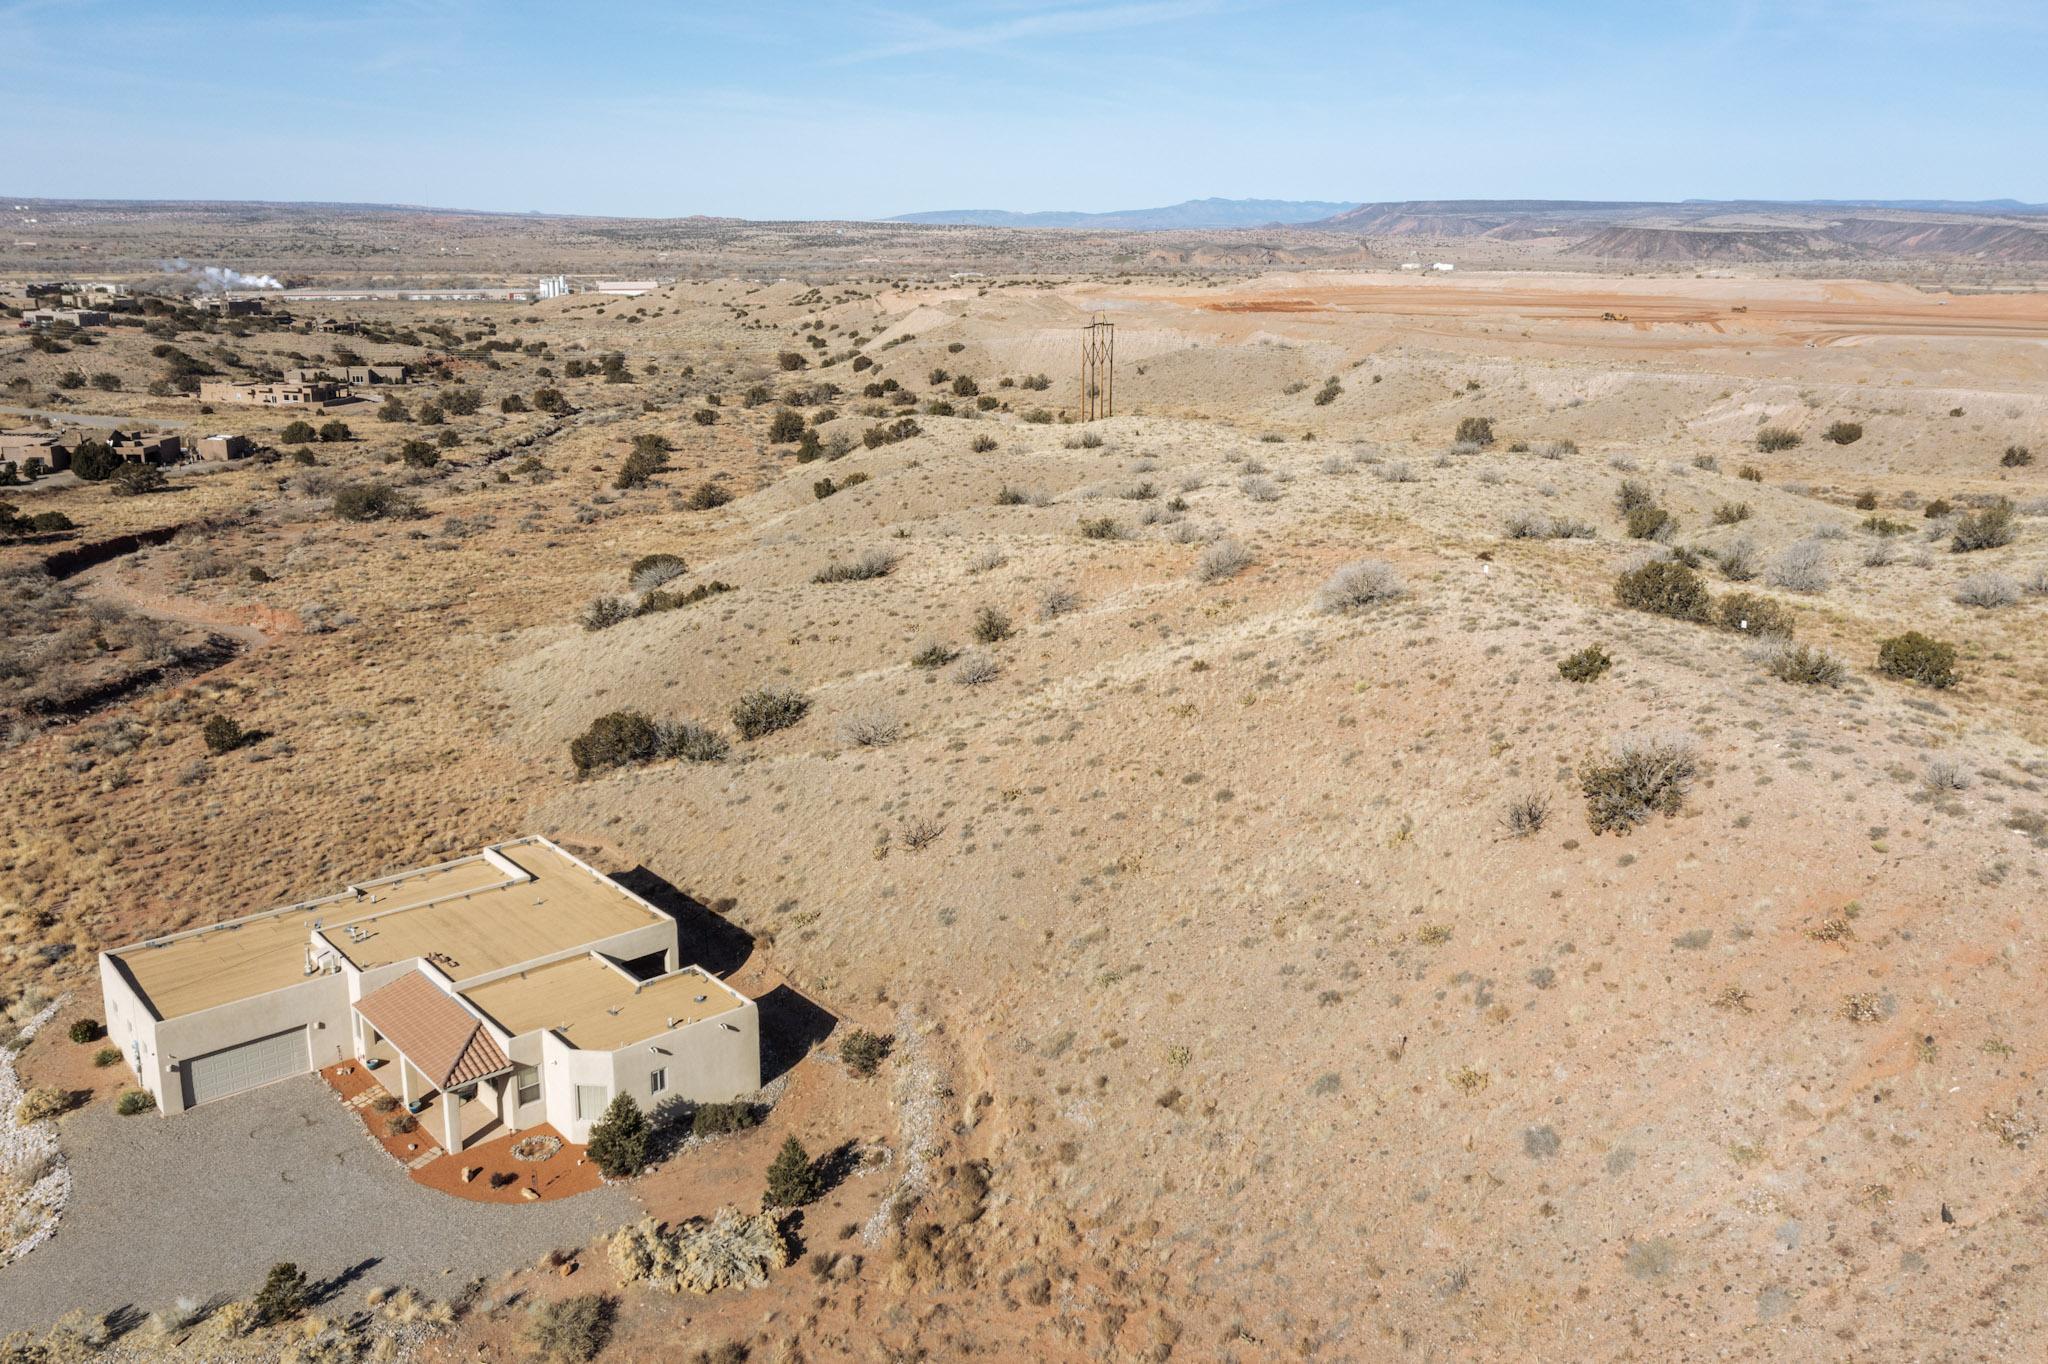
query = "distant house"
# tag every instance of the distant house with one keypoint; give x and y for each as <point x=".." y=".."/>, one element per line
<point x="628" y="288"/>
<point x="288" y="393"/>
<point x="224" y="447"/>
<point x="1443" y="265"/>
<point x="503" y="990"/>
<point x="360" y="375"/>
<point x="77" y="317"/>
<point x="222" y="306"/>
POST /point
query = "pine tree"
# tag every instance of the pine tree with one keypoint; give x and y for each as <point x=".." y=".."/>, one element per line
<point x="792" y="1180"/>
<point x="618" y="1140"/>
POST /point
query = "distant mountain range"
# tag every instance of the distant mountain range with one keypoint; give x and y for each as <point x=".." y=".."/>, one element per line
<point x="1195" y="213"/>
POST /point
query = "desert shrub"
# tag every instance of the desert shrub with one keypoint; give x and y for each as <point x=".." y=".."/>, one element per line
<point x="1738" y="560"/>
<point x="991" y="626"/>
<point x="933" y="655"/>
<point x="1731" y="513"/>
<point x="714" y="1120"/>
<point x="786" y="427"/>
<point x="1585" y="665"/>
<point x="1664" y="587"/>
<point x="1639" y="778"/>
<point x="1632" y="494"/>
<point x="1259" y="489"/>
<point x="1945" y="773"/>
<point x="1866" y="500"/>
<point x="869" y="563"/>
<point x="870" y="729"/>
<point x="222" y="734"/>
<point x="335" y="433"/>
<point x="1844" y="433"/>
<point x="981" y="445"/>
<point x="660" y="599"/>
<point x="1358" y="586"/>
<point x="1937" y="509"/>
<point x="2016" y="457"/>
<point x="1100" y="528"/>
<point x="1989" y="528"/>
<point x="792" y="1179"/>
<point x="1750" y="614"/>
<point x="1987" y="590"/>
<point x="1650" y="523"/>
<point x="705" y="416"/>
<point x="511" y="403"/>
<point x="863" y="1051"/>
<point x="639" y="469"/>
<point x="1222" y="560"/>
<point x="297" y="433"/>
<point x="616" y="739"/>
<point x="650" y="571"/>
<point x="41" y="1103"/>
<point x="1774" y="438"/>
<point x="1057" y="601"/>
<point x="1884" y="525"/>
<point x="605" y="612"/>
<point x="1914" y="657"/>
<point x="618" y="1140"/>
<point x="1801" y="663"/>
<point x="135" y="1101"/>
<point x="1526" y="815"/>
<point x="284" y="1295"/>
<point x="1395" y="471"/>
<point x="1749" y="473"/>
<point x="83" y="1030"/>
<point x="94" y="461"/>
<point x="106" y="1056"/>
<point x="1475" y="431"/>
<point x="974" y="670"/>
<point x="707" y="495"/>
<point x="1329" y="392"/>
<point x="766" y="709"/>
<point x="1801" y="566"/>
<point x="689" y="741"/>
<point x="372" y="502"/>
<point x="572" y="1330"/>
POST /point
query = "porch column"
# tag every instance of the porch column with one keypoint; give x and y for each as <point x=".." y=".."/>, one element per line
<point x="355" y="1027"/>
<point x="404" y="1078"/>
<point x="451" y="1120"/>
<point x="507" y="1101"/>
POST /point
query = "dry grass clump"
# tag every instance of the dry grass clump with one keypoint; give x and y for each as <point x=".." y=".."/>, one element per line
<point x="1987" y="591"/>
<point x="871" y="563"/>
<point x="1532" y="524"/>
<point x="992" y="626"/>
<point x="1223" y="560"/>
<point x="1948" y="774"/>
<point x="1057" y="601"/>
<point x="1395" y="471"/>
<point x="1359" y="586"/>
<point x="690" y="742"/>
<point x="1259" y="488"/>
<point x="1738" y="560"/>
<point x="1639" y="778"/>
<point x="1526" y="815"/>
<point x="933" y="654"/>
<point x="870" y="729"/>
<point x="1801" y="663"/>
<point x="1801" y="567"/>
<point x="1774" y="438"/>
<point x="1585" y="665"/>
<point x="977" y="669"/>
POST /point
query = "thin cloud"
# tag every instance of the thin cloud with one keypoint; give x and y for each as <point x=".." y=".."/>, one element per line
<point x="923" y="36"/>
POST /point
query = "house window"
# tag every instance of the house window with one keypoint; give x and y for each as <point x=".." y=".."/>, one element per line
<point x="657" y="1082"/>
<point x="529" y="1086"/>
<point x="590" y="1102"/>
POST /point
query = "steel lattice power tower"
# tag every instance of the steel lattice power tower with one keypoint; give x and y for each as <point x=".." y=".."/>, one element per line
<point x="1098" y="370"/>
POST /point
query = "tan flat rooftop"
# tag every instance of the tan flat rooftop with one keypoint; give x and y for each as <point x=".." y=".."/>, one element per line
<point x="249" y="957"/>
<point x="488" y="928"/>
<point x="595" y="1006"/>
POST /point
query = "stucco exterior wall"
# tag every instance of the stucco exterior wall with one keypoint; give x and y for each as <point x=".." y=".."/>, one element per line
<point x="319" y="1004"/>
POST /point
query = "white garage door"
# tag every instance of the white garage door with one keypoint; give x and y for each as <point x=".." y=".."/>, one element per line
<point x="231" y="1070"/>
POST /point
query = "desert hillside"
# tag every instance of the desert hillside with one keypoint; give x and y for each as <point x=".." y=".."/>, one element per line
<point x="1415" y="838"/>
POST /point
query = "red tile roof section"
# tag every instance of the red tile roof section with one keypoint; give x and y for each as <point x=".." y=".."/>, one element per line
<point x="433" y="1029"/>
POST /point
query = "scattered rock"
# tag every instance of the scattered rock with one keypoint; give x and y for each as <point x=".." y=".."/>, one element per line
<point x="529" y="1195"/>
<point x="731" y="1250"/>
<point x="470" y="1172"/>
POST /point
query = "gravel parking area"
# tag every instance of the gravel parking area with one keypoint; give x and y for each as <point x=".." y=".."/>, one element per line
<point x="202" y="1204"/>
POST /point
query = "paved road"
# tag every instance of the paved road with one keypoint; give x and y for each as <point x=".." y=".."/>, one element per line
<point x="62" y="418"/>
<point x="205" y="1202"/>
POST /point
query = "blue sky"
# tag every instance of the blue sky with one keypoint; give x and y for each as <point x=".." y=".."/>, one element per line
<point x="779" y="109"/>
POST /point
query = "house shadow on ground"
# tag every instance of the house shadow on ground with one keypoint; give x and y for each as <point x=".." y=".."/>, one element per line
<point x="791" y="1023"/>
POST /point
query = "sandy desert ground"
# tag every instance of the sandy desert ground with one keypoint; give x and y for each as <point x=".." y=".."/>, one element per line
<point x="1235" y="1019"/>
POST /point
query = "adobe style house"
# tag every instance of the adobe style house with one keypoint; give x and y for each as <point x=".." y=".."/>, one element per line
<point x="283" y="394"/>
<point x="510" y="988"/>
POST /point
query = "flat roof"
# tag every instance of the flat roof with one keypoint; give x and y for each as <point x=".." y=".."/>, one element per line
<point x="246" y="957"/>
<point x="594" y="1006"/>
<point x="468" y="916"/>
<point x="478" y="930"/>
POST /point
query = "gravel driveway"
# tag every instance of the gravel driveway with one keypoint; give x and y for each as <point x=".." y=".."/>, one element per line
<point x="205" y="1202"/>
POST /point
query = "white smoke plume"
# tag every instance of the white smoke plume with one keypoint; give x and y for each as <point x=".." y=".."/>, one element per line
<point x="215" y="279"/>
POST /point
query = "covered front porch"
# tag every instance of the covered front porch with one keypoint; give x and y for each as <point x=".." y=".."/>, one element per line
<point x="436" y="1057"/>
